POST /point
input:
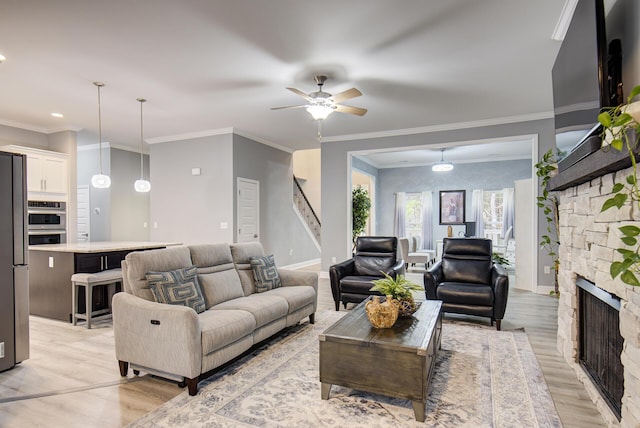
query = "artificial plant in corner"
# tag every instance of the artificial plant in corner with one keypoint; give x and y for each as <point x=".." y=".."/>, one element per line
<point x="621" y="129"/>
<point x="360" y="206"/>
<point x="548" y="201"/>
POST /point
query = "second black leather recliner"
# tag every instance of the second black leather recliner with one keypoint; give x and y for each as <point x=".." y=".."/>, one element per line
<point x="351" y="279"/>
<point x="468" y="281"/>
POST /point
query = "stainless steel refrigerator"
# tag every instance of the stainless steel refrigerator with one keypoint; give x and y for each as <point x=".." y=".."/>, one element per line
<point x="14" y="274"/>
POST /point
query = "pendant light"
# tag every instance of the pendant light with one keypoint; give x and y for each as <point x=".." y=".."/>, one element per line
<point x="141" y="185"/>
<point x="100" y="181"/>
<point x="442" y="166"/>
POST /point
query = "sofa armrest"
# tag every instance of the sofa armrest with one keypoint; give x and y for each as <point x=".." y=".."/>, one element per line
<point x="432" y="278"/>
<point x="290" y="278"/>
<point x="500" y="283"/>
<point x="156" y="335"/>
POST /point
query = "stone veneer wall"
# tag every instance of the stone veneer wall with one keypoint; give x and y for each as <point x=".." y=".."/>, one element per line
<point x="588" y="241"/>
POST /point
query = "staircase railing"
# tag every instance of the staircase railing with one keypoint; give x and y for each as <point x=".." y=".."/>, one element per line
<point x="306" y="210"/>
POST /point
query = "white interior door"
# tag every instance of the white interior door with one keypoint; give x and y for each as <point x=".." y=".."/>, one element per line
<point x="248" y="210"/>
<point x="84" y="216"/>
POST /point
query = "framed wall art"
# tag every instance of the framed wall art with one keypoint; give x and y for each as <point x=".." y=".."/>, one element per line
<point x="452" y="206"/>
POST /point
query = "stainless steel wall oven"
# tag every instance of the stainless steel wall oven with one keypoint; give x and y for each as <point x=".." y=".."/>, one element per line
<point x="47" y="222"/>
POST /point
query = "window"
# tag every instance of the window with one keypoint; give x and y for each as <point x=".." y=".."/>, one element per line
<point x="413" y="215"/>
<point x="492" y="213"/>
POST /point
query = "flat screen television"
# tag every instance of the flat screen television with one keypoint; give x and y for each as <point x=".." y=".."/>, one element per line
<point x="582" y="82"/>
<point x="469" y="229"/>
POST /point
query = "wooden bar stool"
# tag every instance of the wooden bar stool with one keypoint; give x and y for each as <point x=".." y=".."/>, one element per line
<point x="109" y="277"/>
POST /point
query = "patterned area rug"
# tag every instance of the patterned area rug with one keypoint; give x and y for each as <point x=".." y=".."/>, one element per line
<point x="483" y="378"/>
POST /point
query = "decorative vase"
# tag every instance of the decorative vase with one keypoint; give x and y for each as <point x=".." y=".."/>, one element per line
<point x="407" y="307"/>
<point x="449" y="231"/>
<point x="382" y="315"/>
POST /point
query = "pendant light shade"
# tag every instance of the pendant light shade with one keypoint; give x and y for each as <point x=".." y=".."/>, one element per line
<point x="442" y="166"/>
<point x="100" y="181"/>
<point x="141" y="185"/>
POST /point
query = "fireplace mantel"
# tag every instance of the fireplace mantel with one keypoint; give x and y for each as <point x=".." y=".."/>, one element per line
<point x="595" y="165"/>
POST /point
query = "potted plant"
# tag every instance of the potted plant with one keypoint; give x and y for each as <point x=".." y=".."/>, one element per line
<point x="360" y="206"/>
<point x="621" y="131"/>
<point x="548" y="201"/>
<point x="400" y="289"/>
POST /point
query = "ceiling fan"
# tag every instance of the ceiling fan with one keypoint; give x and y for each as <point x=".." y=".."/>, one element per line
<point x="321" y="104"/>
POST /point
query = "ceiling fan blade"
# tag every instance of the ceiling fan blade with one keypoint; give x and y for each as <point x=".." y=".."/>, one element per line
<point x="345" y="95"/>
<point x="351" y="110"/>
<point x="280" y="108"/>
<point x="299" y="92"/>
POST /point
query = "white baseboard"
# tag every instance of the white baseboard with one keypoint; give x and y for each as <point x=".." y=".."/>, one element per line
<point x="301" y="265"/>
<point x="544" y="289"/>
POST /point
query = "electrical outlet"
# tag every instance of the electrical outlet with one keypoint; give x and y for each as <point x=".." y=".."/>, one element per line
<point x="333" y="259"/>
<point x="1" y="349"/>
<point x="291" y="251"/>
<point x="547" y="269"/>
<point x="144" y="224"/>
<point x="50" y="262"/>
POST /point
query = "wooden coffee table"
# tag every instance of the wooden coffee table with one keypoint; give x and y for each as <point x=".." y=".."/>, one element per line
<point x="396" y="361"/>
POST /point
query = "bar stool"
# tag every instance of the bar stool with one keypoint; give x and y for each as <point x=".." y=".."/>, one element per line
<point x="109" y="277"/>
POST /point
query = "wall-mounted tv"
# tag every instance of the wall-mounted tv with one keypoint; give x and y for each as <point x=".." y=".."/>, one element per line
<point x="580" y="76"/>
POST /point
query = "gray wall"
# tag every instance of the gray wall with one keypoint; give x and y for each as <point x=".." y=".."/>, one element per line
<point x="129" y="209"/>
<point x="485" y="175"/>
<point x="189" y="208"/>
<point x="335" y="176"/>
<point x="281" y="232"/>
<point x="100" y="199"/>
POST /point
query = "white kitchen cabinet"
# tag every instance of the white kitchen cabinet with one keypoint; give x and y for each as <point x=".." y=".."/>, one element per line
<point x="47" y="174"/>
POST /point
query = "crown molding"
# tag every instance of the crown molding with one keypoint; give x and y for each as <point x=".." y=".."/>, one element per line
<point x="440" y="128"/>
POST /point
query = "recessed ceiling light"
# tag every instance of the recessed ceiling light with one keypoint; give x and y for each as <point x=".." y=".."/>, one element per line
<point x="57" y="114"/>
<point x="2" y="58"/>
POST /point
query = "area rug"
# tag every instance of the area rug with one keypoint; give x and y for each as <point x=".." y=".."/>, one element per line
<point x="483" y="378"/>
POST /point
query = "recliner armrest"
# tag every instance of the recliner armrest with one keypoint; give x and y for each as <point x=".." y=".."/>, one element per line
<point x="398" y="269"/>
<point x="432" y="278"/>
<point x="500" y="284"/>
<point x="337" y="272"/>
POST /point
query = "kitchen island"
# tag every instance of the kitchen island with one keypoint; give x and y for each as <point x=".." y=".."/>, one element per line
<point x="51" y="267"/>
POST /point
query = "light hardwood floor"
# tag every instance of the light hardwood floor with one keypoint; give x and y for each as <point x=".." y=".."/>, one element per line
<point x="72" y="377"/>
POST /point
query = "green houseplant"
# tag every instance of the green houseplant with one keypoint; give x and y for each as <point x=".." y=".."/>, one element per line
<point x="399" y="288"/>
<point x="548" y="201"/>
<point x="621" y="130"/>
<point x="360" y="206"/>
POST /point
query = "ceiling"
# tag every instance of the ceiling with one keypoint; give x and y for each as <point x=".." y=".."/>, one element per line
<point x="206" y="66"/>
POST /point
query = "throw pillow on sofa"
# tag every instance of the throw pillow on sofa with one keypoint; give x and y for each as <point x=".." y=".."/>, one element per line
<point x="177" y="287"/>
<point x="265" y="273"/>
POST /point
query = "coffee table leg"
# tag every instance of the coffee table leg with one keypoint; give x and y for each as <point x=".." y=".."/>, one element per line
<point x="326" y="388"/>
<point x="418" y="410"/>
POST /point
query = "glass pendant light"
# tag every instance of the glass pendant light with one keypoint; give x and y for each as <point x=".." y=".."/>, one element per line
<point x="141" y="185"/>
<point x="100" y="181"/>
<point x="442" y="166"/>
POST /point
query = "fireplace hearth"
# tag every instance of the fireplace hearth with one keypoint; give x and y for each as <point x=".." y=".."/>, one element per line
<point x="600" y="343"/>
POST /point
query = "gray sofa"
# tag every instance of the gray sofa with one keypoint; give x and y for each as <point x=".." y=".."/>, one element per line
<point x="175" y="342"/>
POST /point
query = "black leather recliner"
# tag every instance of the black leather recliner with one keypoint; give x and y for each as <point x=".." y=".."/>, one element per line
<point x="351" y="279"/>
<point x="468" y="281"/>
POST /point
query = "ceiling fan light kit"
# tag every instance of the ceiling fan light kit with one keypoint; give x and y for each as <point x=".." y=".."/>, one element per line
<point x="321" y="104"/>
<point x="442" y="166"/>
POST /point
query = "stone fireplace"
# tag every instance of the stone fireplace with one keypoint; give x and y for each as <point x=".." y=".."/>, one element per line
<point x="588" y="239"/>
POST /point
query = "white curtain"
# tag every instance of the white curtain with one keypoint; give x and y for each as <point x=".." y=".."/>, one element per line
<point x="399" y="218"/>
<point x="427" y="221"/>
<point x="477" y="206"/>
<point x="508" y="211"/>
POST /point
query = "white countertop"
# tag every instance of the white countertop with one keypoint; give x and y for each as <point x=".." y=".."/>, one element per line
<point x="99" y="247"/>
